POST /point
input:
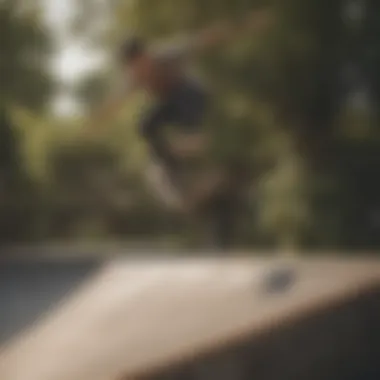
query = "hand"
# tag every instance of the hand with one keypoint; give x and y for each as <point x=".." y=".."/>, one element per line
<point x="100" y="117"/>
<point x="213" y="35"/>
<point x="259" y="20"/>
<point x="88" y="128"/>
<point x="91" y="131"/>
<point x="95" y="122"/>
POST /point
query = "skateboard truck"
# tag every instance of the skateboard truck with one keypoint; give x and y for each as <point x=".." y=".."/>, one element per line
<point x="278" y="280"/>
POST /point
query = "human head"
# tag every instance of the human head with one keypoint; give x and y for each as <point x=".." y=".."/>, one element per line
<point x="135" y="57"/>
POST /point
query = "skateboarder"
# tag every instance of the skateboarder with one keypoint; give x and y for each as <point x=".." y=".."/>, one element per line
<point x="180" y="100"/>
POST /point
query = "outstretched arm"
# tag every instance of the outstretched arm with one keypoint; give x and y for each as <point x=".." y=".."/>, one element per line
<point x="227" y="30"/>
<point x="110" y="107"/>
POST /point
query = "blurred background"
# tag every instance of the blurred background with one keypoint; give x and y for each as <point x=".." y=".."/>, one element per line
<point x="299" y="107"/>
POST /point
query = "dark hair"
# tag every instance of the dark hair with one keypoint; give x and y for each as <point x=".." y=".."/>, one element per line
<point x="131" y="49"/>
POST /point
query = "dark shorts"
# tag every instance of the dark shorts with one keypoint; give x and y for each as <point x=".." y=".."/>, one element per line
<point x="185" y="109"/>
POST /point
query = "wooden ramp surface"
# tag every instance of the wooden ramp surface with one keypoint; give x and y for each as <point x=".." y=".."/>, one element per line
<point x="133" y="317"/>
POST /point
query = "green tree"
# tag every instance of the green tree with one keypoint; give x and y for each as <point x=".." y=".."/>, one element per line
<point x="25" y="51"/>
<point x="279" y="101"/>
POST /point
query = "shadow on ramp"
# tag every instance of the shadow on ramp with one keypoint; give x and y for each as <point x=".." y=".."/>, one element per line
<point x="29" y="289"/>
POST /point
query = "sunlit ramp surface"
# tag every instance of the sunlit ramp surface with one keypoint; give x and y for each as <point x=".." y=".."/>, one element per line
<point x="231" y="320"/>
<point x="30" y="288"/>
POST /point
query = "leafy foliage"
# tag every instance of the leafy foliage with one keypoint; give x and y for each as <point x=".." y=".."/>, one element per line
<point x="280" y="111"/>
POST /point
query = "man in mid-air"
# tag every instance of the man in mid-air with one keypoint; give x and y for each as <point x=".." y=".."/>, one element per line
<point x="180" y="100"/>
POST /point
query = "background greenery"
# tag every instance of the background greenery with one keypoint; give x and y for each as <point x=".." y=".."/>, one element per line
<point x="287" y="104"/>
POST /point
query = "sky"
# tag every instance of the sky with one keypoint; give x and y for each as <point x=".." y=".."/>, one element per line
<point x="73" y="60"/>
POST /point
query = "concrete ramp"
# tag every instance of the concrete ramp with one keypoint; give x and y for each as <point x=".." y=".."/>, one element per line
<point x="209" y="319"/>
